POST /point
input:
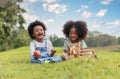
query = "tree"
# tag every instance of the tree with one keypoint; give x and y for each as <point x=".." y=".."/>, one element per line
<point x="98" y="39"/>
<point x="93" y="33"/>
<point x="118" y="40"/>
<point x="10" y="17"/>
<point x="56" y="41"/>
<point x="20" y="38"/>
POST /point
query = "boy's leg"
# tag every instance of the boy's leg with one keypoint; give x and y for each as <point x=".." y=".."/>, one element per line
<point x="56" y="59"/>
<point x="36" y="60"/>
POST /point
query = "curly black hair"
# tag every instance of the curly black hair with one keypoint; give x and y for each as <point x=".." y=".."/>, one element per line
<point x="32" y="25"/>
<point x="81" y="29"/>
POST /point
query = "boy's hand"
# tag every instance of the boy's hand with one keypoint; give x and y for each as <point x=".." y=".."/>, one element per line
<point x="53" y="52"/>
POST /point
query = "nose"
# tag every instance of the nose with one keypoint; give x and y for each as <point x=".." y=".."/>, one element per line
<point x="72" y="35"/>
<point x="39" y="31"/>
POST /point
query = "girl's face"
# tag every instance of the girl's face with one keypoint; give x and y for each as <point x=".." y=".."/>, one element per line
<point x="73" y="35"/>
<point x="38" y="33"/>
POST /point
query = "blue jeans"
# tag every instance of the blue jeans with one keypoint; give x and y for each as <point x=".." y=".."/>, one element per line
<point x="43" y="60"/>
<point x="45" y="57"/>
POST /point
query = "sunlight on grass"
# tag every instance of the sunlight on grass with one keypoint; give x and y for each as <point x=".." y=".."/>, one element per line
<point x="15" y="64"/>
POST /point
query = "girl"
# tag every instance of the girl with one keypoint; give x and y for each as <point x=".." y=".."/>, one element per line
<point x="75" y="33"/>
<point x="36" y="31"/>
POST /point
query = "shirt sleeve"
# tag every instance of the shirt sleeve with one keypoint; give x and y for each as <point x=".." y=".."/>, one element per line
<point x="32" y="48"/>
<point x="66" y="47"/>
<point x="83" y="44"/>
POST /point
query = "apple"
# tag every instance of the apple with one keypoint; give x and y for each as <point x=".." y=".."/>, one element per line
<point x="37" y="54"/>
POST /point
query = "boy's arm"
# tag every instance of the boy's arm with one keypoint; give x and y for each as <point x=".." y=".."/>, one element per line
<point x="50" y="48"/>
<point x="32" y="48"/>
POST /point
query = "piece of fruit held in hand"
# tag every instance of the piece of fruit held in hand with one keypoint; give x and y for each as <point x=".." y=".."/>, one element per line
<point x="37" y="54"/>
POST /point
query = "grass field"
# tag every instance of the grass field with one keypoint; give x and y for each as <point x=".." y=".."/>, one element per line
<point x="14" y="64"/>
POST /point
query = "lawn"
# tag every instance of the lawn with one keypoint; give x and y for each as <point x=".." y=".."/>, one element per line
<point x="14" y="64"/>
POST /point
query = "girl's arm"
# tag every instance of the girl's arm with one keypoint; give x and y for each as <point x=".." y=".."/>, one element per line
<point x="83" y="45"/>
<point x="66" y="47"/>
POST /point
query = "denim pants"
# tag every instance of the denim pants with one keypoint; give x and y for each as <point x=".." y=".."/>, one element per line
<point x="45" y="57"/>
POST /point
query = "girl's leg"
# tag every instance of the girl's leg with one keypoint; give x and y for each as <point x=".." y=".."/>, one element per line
<point x="65" y="56"/>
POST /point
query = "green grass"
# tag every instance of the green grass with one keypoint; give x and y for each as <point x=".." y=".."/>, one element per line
<point x="14" y="64"/>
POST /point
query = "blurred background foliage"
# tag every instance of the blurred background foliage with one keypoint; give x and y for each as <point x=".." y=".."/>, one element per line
<point x="14" y="35"/>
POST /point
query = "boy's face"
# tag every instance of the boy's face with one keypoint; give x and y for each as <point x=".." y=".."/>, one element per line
<point x="73" y="35"/>
<point x="38" y="32"/>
